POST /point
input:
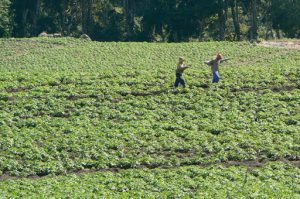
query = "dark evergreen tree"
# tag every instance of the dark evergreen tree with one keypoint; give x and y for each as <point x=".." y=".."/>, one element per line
<point x="152" y="20"/>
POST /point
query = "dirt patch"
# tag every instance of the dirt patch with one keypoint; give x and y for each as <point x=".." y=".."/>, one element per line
<point x="281" y="44"/>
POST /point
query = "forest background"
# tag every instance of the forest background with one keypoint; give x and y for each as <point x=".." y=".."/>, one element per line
<point x="152" y="20"/>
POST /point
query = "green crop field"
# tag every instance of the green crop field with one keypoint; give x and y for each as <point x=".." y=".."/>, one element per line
<point x="83" y="119"/>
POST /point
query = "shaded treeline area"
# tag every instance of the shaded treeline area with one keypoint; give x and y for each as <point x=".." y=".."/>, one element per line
<point x="152" y="20"/>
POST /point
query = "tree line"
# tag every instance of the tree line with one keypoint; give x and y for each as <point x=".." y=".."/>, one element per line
<point x="152" y="20"/>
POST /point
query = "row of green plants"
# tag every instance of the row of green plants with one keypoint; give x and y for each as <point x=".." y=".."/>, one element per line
<point x="67" y="105"/>
<point x="274" y="180"/>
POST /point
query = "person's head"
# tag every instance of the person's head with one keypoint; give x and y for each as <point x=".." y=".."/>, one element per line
<point x="181" y="59"/>
<point x="219" y="57"/>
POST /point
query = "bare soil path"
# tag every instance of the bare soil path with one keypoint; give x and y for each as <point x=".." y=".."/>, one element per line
<point x="283" y="44"/>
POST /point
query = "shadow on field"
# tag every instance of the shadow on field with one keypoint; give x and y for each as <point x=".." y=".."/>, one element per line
<point x="273" y="88"/>
<point x="153" y="93"/>
<point x="204" y="87"/>
<point x="249" y="164"/>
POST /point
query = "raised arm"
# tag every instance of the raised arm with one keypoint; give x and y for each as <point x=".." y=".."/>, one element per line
<point x="208" y="62"/>
<point x="184" y="67"/>
<point x="222" y="60"/>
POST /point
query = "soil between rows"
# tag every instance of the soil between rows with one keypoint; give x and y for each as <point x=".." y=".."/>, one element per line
<point x="250" y="165"/>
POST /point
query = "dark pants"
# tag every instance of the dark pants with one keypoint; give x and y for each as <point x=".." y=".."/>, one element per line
<point x="216" y="77"/>
<point x="179" y="80"/>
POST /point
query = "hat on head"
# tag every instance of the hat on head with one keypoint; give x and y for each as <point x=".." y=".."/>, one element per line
<point x="181" y="59"/>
